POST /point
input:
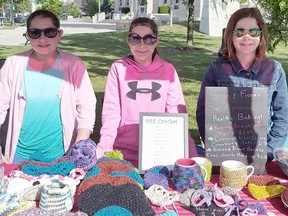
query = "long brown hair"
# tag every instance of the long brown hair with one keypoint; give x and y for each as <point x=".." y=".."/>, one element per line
<point x="229" y="49"/>
<point x="144" y="21"/>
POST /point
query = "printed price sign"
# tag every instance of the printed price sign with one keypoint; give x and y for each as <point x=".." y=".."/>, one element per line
<point x="163" y="139"/>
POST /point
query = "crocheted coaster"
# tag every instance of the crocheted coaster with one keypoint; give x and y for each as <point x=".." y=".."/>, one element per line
<point x="84" y="154"/>
<point x="8" y="202"/>
<point x="39" y="212"/>
<point x="56" y="198"/>
<point x="262" y="192"/>
<point x="157" y="175"/>
<point x="263" y="181"/>
<point x="105" y="199"/>
<point x="159" y="196"/>
<point x="111" y="172"/>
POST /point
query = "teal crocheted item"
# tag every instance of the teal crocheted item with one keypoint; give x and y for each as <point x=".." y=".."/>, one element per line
<point x="113" y="210"/>
<point x="169" y="213"/>
<point x="62" y="168"/>
<point x="132" y="174"/>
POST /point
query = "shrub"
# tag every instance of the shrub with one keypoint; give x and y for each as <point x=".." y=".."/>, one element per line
<point x="163" y="9"/>
<point x="125" y="10"/>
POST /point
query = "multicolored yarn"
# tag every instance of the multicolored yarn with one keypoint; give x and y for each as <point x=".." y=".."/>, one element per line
<point x="39" y="212"/>
<point x="56" y="198"/>
<point x="23" y="206"/>
<point x="263" y="181"/>
<point x="112" y="172"/>
<point x="19" y="167"/>
<point x="106" y="199"/>
<point x="262" y="192"/>
<point x="8" y="202"/>
<point x="243" y="205"/>
<point x="159" y="196"/>
<point x="157" y="175"/>
<point x="84" y="154"/>
<point x="113" y="187"/>
<point x="188" y="177"/>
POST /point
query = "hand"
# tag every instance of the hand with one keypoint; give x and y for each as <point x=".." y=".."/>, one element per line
<point x="5" y="160"/>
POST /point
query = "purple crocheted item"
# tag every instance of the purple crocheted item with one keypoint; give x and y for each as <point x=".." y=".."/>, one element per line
<point x="83" y="154"/>
<point x="156" y="175"/>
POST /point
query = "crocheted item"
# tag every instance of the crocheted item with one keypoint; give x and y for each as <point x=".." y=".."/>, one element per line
<point x="185" y="197"/>
<point x="19" y="167"/>
<point x="185" y="177"/>
<point x="84" y="154"/>
<point x="263" y="181"/>
<point x="106" y="199"/>
<point x="220" y="199"/>
<point x="170" y="212"/>
<point x="230" y="191"/>
<point x="39" y="156"/>
<point x="156" y="175"/>
<point x="111" y="172"/>
<point x="262" y="192"/>
<point x="8" y="202"/>
<point x="116" y="154"/>
<point x="23" y="206"/>
<point x="243" y="204"/>
<point x="61" y="168"/>
<point x="284" y="197"/>
<point x="203" y="195"/>
<point x="40" y="212"/>
<point x="56" y="198"/>
<point x="159" y="196"/>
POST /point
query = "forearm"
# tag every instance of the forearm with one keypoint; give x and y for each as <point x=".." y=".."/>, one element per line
<point x="82" y="134"/>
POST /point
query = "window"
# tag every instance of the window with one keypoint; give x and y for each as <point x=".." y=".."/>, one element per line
<point x="120" y="3"/>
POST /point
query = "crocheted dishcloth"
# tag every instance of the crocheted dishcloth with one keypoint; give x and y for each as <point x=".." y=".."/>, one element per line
<point x="39" y="212"/>
<point x="61" y="168"/>
<point x="159" y="196"/>
<point x="185" y="197"/>
<point x="262" y="192"/>
<point x="23" y="206"/>
<point x="84" y="154"/>
<point x="116" y="154"/>
<point x="19" y="167"/>
<point x="111" y="172"/>
<point x="8" y="202"/>
<point x="106" y="199"/>
<point x="263" y="181"/>
<point x="156" y="175"/>
<point x="39" y="156"/>
<point x="56" y="198"/>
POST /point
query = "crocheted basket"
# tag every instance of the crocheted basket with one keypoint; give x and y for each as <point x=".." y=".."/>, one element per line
<point x="56" y="198"/>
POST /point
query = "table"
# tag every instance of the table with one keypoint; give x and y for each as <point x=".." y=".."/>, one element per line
<point x="274" y="205"/>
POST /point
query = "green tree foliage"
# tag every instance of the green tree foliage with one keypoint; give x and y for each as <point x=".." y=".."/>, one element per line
<point x="106" y="6"/>
<point x="91" y="8"/>
<point x="276" y="16"/>
<point x="71" y="9"/>
<point x="52" y="5"/>
<point x="163" y="9"/>
<point x="23" y="6"/>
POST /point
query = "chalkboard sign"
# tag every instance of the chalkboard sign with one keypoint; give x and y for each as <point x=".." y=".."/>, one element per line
<point x="236" y="126"/>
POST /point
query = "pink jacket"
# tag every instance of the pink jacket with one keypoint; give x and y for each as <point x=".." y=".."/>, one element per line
<point x="131" y="89"/>
<point x="78" y="101"/>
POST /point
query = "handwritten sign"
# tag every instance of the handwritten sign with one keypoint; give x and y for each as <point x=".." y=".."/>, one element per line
<point x="163" y="139"/>
<point x="236" y="126"/>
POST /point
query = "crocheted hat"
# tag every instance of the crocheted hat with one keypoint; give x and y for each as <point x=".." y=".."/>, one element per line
<point x="157" y="175"/>
<point x="56" y="198"/>
<point x="106" y="199"/>
<point x="84" y="154"/>
<point x="114" y="172"/>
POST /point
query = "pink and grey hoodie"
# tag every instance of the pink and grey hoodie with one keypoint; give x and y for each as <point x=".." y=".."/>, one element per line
<point x="131" y="89"/>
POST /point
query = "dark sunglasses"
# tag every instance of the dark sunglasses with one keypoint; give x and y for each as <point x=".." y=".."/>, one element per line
<point x="35" y="33"/>
<point x="254" y="32"/>
<point x="147" y="39"/>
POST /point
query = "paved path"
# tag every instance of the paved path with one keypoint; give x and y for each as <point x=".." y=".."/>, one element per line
<point x="15" y="36"/>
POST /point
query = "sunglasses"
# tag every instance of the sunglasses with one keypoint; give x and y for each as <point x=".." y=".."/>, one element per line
<point x="35" y="33"/>
<point x="147" y="39"/>
<point x="254" y="32"/>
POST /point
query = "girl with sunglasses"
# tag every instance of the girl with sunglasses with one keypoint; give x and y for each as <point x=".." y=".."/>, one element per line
<point x="48" y="93"/>
<point x="140" y="82"/>
<point x="243" y="64"/>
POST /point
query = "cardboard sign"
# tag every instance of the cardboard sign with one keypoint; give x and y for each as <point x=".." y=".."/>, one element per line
<point x="163" y="139"/>
<point x="236" y="126"/>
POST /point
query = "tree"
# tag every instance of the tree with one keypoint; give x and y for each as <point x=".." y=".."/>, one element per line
<point x="276" y="16"/>
<point x="91" y="8"/>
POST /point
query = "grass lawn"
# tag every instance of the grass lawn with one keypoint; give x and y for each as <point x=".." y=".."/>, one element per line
<point x="99" y="50"/>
